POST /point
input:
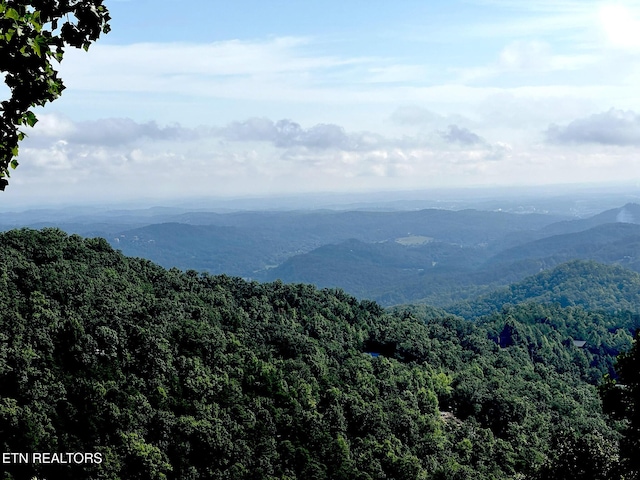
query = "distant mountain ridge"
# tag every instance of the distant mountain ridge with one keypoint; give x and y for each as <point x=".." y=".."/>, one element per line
<point x="629" y="213"/>
<point x="268" y="239"/>
<point x="440" y="273"/>
<point x="609" y="242"/>
<point x="430" y="256"/>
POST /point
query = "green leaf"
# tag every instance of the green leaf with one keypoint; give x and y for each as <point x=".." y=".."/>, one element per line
<point x="14" y="163"/>
<point x="36" y="47"/>
<point x="12" y="14"/>
<point x="30" y="118"/>
<point x="35" y="21"/>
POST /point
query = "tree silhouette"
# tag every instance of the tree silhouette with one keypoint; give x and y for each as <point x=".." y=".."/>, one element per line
<point x="32" y="34"/>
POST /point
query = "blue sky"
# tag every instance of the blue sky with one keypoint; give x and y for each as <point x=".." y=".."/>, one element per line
<point x="241" y="98"/>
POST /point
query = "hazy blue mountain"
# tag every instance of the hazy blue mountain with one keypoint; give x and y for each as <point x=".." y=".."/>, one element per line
<point x="219" y="249"/>
<point x="431" y="255"/>
<point x="374" y="270"/>
<point x="468" y="227"/>
<point x="248" y="244"/>
<point x="440" y="273"/>
<point x="607" y="243"/>
<point x="629" y="213"/>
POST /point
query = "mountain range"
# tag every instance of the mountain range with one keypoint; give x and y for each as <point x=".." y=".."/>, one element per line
<point x="434" y="256"/>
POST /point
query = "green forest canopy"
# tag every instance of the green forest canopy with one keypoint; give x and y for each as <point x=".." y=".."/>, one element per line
<point x="172" y="374"/>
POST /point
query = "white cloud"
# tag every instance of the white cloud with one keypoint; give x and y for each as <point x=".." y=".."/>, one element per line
<point x="461" y="135"/>
<point x="254" y="156"/>
<point x="614" y="127"/>
<point x="53" y="126"/>
<point x="192" y="79"/>
<point x="207" y="167"/>
<point x="319" y="84"/>
<point x="263" y="156"/>
<point x="107" y="131"/>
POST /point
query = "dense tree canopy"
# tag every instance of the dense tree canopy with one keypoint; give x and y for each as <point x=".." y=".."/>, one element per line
<point x="588" y="284"/>
<point x="621" y="399"/>
<point x="32" y="34"/>
<point x="171" y="374"/>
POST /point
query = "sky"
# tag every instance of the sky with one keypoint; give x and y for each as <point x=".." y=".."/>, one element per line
<point x="227" y="99"/>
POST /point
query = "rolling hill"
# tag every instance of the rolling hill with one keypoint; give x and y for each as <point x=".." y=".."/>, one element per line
<point x="587" y="284"/>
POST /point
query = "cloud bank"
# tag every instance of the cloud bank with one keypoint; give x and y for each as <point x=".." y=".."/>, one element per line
<point x="127" y="159"/>
<point x="255" y="155"/>
<point x="461" y="135"/>
<point x="614" y="127"/>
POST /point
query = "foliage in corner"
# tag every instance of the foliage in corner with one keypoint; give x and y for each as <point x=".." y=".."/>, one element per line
<point x="32" y="34"/>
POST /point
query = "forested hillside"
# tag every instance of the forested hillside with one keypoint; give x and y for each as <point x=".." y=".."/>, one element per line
<point x="172" y="374"/>
<point x="588" y="284"/>
<point x="441" y="273"/>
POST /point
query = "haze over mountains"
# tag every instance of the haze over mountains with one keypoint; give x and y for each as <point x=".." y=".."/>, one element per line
<point x="429" y="255"/>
